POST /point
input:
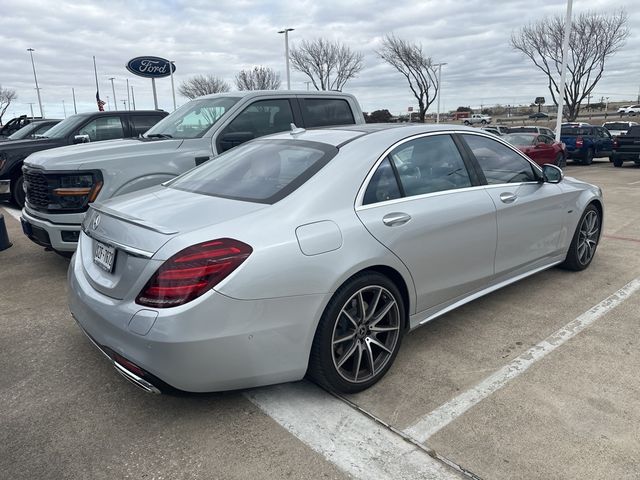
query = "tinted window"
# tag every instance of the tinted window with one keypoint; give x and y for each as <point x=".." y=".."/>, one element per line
<point x="546" y="139"/>
<point x="382" y="186"/>
<point x="318" y="112"/>
<point x="142" y="123"/>
<point x="516" y="139"/>
<point x="634" y="132"/>
<point x="430" y="164"/>
<point x="260" y="171"/>
<point x="258" y="119"/>
<point x="570" y="131"/>
<point x="524" y="129"/>
<point x="617" y="126"/>
<point x="499" y="163"/>
<point x="103" y="128"/>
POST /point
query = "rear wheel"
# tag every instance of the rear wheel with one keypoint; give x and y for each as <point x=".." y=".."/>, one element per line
<point x="617" y="162"/>
<point x="359" y="334"/>
<point x="585" y="240"/>
<point x="588" y="158"/>
<point x="467" y="123"/>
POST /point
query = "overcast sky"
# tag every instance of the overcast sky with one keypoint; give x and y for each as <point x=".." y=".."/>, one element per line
<point x="222" y="37"/>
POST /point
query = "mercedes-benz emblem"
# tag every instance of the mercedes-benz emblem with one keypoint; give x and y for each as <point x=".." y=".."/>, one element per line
<point x="96" y="222"/>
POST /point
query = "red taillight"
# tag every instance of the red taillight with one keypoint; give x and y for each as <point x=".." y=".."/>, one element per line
<point x="579" y="142"/>
<point x="193" y="271"/>
<point x="616" y="143"/>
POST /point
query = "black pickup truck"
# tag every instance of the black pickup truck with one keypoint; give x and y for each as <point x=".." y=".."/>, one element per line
<point x="80" y="128"/>
<point x="627" y="147"/>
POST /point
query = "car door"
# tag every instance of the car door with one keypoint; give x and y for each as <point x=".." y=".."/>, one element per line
<point x="547" y="151"/>
<point x="102" y="128"/>
<point x="425" y="205"/>
<point x="605" y="142"/>
<point x="530" y="213"/>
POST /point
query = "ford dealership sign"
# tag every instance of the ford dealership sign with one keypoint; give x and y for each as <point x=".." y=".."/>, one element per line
<point x="150" y="67"/>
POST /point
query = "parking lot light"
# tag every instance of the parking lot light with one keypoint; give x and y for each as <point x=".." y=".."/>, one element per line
<point x="35" y="77"/>
<point x="286" y="53"/>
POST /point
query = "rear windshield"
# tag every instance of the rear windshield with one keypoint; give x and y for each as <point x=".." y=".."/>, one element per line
<point x="515" y="139"/>
<point x="259" y="171"/>
<point x="569" y="131"/>
<point x="616" y="126"/>
<point x="523" y="129"/>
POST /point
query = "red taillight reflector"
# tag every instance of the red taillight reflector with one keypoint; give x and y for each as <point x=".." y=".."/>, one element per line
<point x="193" y="271"/>
<point x="616" y="143"/>
<point x="579" y="142"/>
<point x="132" y="367"/>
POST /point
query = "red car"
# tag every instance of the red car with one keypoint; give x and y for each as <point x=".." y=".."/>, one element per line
<point x="539" y="148"/>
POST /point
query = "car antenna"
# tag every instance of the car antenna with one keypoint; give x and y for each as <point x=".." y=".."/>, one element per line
<point x="295" y="130"/>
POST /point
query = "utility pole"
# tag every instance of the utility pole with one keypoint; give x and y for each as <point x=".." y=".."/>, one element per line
<point x="286" y="53"/>
<point x="133" y="98"/>
<point x="35" y="77"/>
<point x="113" y="89"/>
<point x="128" y="97"/>
<point x="64" y="109"/>
<point x="31" y="107"/>
<point x="563" y="70"/>
<point x="73" y="94"/>
<point x="439" y="65"/>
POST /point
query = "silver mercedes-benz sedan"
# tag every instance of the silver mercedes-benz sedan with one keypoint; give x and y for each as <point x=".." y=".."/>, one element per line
<point x="314" y="252"/>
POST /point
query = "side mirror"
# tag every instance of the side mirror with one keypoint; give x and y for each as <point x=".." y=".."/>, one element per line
<point x="233" y="139"/>
<point x="81" y="139"/>
<point x="552" y="174"/>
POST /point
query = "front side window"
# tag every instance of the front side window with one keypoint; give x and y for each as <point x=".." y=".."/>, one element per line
<point x="499" y="163"/>
<point x="260" y="171"/>
<point x="321" y="112"/>
<point x="193" y="119"/>
<point x="103" y="128"/>
<point x="142" y="123"/>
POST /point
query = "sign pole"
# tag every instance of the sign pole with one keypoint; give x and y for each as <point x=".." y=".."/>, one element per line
<point x="155" y="95"/>
<point x="173" y="90"/>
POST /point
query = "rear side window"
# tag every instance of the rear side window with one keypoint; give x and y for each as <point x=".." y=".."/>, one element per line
<point x="259" y="171"/>
<point x="499" y="163"/>
<point x="142" y="123"/>
<point x="319" y="112"/>
<point x="382" y="186"/>
<point x="571" y="131"/>
<point x="103" y="128"/>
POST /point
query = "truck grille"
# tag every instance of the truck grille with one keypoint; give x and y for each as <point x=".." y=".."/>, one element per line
<point x="37" y="188"/>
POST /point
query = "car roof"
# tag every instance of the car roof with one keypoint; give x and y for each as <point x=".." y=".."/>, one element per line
<point x="276" y="93"/>
<point x="115" y="112"/>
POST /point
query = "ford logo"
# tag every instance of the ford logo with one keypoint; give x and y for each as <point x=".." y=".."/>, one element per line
<point x="150" y="67"/>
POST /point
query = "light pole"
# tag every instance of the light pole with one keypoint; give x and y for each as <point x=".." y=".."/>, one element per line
<point x="64" y="109"/>
<point x="128" y="96"/>
<point x="31" y="107"/>
<point x="563" y="70"/>
<point x="113" y="89"/>
<point x="439" y="65"/>
<point x="286" y="53"/>
<point x="173" y="90"/>
<point x="73" y="94"/>
<point x="35" y="77"/>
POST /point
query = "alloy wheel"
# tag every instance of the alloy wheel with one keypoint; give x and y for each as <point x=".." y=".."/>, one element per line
<point x="588" y="237"/>
<point x="365" y="334"/>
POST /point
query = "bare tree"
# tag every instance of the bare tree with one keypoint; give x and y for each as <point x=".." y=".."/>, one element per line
<point x="409" y="59"/>
<point x="593" y="39"/>
<point x="329" y="65"/>
<point x="260" y="78"/>
<point x="202" y="85"/>
<point x="6" y="97"/>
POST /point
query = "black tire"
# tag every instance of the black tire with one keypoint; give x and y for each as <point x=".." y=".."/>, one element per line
<point x="577" y="257"/>
<point x="467" y="123"/>
<point x="340" y="365"/>
<point x="17" y="190"/>
<point x="617" y="162"/>
<point x="483" y="122"/>
<point x="588" y="157"/>
<point x="560" y="161"/>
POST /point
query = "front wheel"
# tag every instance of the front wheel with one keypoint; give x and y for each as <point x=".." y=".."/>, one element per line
<point x="467" y="123"/>
<point x="617" y="162"/>
<point x="483" y="122"/>
<point x="359" y="334"/>
<point x="17" y="190"/>
<point x="585" y="240"/>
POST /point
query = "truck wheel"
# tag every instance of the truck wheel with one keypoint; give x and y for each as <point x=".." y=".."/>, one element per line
<point x="588" y="158"/>
<point x="466" y="122"/>
<point x="483" y="122"/>
<point x="617" y="162"/>
<point x="17" y="190"/>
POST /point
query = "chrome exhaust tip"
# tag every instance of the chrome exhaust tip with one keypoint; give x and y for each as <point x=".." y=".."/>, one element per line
<point x="136" y="380"/>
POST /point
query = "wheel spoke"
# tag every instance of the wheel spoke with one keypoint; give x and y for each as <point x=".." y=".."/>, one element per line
<point x="348" y="355"/>
<point x="370" y="358"/>
<point x="383" y="313"/>
<point x="355" y="324"/>
<point x="378" y="344"/>
<point x="356" y="365"/>
<point x="363" y="314"/>
<point x="383" y="329"/>
<point x="374" y="305"/>
<point x="344" y="339"/>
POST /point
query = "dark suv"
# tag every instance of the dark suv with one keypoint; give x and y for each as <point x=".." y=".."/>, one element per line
<point x="80" y="128"/>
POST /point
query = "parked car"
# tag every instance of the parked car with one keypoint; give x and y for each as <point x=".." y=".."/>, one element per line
<point x="618" y="128"/>
<point x="633" y="110"/>
<point x="496" y="129"/>
<point x="532" y="129"/>
<point x="627" y="147"/>
<point x="586" y="143"/>
<point x="193" y="134"/>
<point x="31" y="130"/>
<point x="539" y="116"/>
<point x="14" y="125"/>
<point x="477" y="118"/>
<point x="80" y="128"/>
<point x="623" y="109"/>
<point x="316" y="251"/>
<point x="539" y="148"/>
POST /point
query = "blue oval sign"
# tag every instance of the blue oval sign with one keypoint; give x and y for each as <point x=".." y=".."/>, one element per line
<point x="150" y="67"/>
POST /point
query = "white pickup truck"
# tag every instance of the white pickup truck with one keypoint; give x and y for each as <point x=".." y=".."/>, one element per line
<point x="476" y="118"/>
<point x="62" y="182"/>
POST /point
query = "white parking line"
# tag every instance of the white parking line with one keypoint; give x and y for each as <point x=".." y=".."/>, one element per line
<point x="634" y="183"/>
<point x="352" y="441"/>
<point x="13" y="212"/>
<point x="448" y="412"/>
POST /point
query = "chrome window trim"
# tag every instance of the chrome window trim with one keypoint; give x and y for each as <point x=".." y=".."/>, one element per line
<point x="420" y="197"/>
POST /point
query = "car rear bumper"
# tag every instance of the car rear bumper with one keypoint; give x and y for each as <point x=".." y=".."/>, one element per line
<point x="61" y="237"/>
<point x="213" y="343"/>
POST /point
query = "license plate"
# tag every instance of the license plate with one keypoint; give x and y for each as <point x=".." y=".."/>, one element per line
<point x="104" y="256"/>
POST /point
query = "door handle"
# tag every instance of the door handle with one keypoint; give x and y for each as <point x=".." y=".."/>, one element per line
<point x="508" y="197"/>
<point x="396" y="218"/>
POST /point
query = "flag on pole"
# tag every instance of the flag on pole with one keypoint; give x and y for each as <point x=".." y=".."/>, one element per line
<point x="101" y="104"/>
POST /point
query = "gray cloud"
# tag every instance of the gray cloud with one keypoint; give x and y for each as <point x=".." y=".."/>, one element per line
<point x="225" y="36"/>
